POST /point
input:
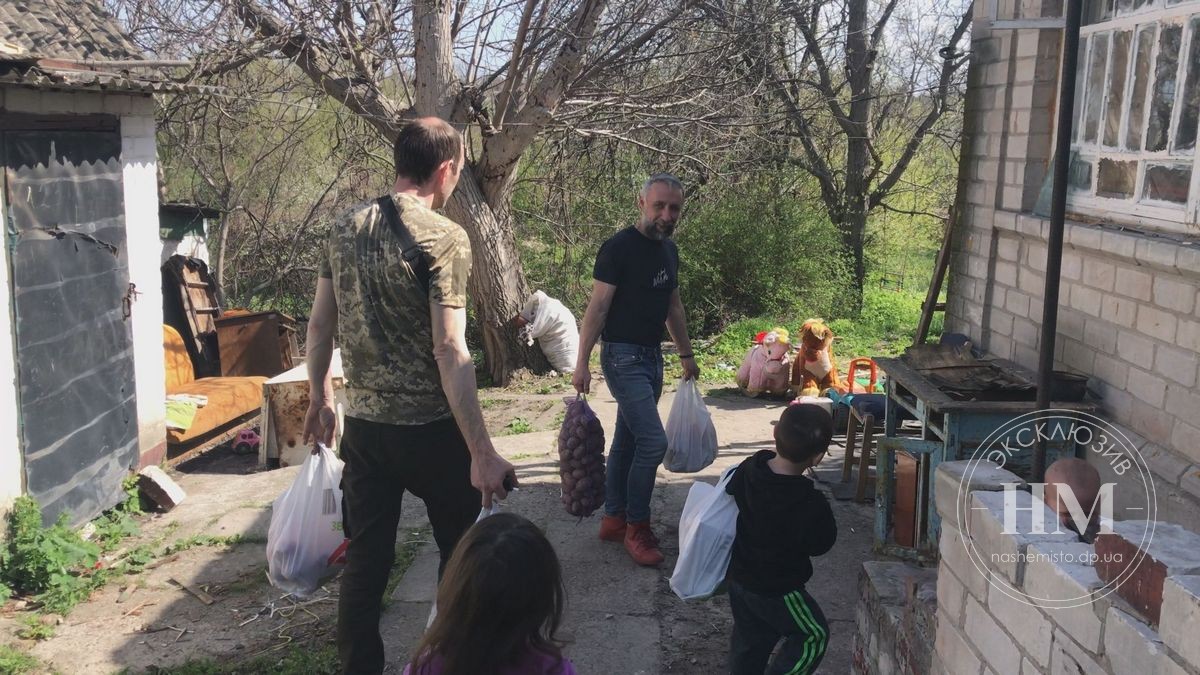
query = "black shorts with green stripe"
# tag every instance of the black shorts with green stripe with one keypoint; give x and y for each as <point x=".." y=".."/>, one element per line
<point x="760" y="622"/>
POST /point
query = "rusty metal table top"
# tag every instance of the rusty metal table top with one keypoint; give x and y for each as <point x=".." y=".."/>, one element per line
<point x="937" y="400"/>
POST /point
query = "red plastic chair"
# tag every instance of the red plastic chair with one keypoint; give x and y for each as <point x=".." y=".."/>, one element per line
<point x="852" y="373"/>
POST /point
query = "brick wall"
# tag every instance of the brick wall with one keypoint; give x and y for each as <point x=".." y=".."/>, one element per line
<point x="1129" y="314"/>
<point x="895" y="617"/>
<point x="1011" y="607"/>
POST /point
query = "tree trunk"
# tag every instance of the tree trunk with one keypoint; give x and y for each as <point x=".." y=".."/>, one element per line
<point x="853" y="228"/>
<point x="217" y="271"/>
<point x="497" y="283"/>
<point x="854" y="200"/>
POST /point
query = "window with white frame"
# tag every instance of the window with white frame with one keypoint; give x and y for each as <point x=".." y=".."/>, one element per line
<point x="1137" y="114"/>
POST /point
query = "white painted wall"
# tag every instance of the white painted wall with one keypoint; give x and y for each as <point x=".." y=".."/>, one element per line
<point x="140" y="174"/>
<point x="192" y="246"/>
<point x="12" y="474"/>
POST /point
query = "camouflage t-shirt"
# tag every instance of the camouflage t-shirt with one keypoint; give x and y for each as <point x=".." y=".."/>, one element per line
<point x="384" y="325"/>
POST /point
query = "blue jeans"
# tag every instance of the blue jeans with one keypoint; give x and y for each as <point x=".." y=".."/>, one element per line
<point x="635" y="378"/>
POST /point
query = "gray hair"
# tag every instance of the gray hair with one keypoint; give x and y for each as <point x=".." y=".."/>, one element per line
<point x="665" y="178"/>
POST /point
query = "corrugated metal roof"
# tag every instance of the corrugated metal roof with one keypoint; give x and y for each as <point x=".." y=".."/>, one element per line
<point x="64" y="29"/>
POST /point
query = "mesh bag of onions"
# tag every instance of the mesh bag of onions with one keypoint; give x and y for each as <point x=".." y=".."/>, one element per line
<point x="581" y="459"/>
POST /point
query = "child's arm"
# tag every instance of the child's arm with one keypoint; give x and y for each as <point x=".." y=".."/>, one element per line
<point x="820" y="528"/>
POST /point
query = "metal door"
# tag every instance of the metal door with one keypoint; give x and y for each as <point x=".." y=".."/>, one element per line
<point x="65" y="232"/>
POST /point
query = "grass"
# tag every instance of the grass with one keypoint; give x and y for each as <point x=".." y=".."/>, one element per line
<point x="33" y="628"/>
<point x="406" y="552"/>
<point x="247" y="581"/>
<point x="488" y="403"/>
<point x="211" y="540"/>
<point x="518" y="425"/>
<point x="553" y="387"/>
<point x="885" y="327"/>
<point x="298" y="660"/>
<point x="13" y="661"/>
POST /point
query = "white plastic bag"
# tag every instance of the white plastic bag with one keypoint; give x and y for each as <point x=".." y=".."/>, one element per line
<point x="483" y="513"/>
<point x="691" y="436"/>
<point x="306" y="526"/>
<point x="553" y="325"/>
<point x="706" y="530"/>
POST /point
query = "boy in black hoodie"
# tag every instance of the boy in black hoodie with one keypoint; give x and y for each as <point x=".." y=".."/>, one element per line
<point x="782" y="520"/>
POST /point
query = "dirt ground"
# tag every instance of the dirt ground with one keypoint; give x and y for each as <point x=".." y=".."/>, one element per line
<point x="207" y="600"/>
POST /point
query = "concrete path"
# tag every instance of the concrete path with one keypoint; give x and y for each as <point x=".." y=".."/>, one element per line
<point x="622" y="618"/>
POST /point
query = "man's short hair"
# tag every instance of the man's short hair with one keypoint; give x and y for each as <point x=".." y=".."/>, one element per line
<point x="804" y="431"/>
<point x="421" y="147"/>
<point x="665" y="178"/>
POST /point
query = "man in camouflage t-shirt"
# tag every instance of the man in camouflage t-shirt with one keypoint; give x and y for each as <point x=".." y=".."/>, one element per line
<point x="413" y="420"/>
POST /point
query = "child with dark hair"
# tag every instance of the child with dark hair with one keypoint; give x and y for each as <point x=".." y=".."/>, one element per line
<point x="500" y="603"/>
<point x="783" y="520"/>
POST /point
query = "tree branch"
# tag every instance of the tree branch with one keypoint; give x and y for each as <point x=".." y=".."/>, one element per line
<point x="950" y="64"/>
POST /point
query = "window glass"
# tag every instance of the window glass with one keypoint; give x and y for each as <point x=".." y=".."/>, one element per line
<point x="1163" y="93"/>
<point x="1080" y="70"/>
<point x="1141" y="77"/>
<point x="1116" y="88"/>
<point x="1189" y="105"/>
<point x="1095" y="11"/>
<point x="1095" y="87"/>
<point x="1167" y="183"/>
<point x="1079" y="174"/>
<point x="1116" y="179"/>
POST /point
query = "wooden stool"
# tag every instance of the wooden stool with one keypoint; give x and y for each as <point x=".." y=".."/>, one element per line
<point x="856" y="417"/>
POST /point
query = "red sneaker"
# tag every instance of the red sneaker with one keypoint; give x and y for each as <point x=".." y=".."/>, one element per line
<point x="642" y="544"/>
<point x="612" y="528"/>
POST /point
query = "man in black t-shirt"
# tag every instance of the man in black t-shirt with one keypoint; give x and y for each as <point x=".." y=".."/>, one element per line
<point x="635" y="292"/>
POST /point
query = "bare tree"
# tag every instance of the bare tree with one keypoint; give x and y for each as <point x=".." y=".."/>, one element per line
<point x="263" y="151"/>
<point x="505" y="70"/>
<point x="860" y="86"/>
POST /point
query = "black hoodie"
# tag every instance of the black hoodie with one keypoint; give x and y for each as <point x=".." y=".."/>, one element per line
<point x="782" y="520"/>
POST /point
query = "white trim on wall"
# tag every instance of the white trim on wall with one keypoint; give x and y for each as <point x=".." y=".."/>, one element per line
<point x="12" y="469"/>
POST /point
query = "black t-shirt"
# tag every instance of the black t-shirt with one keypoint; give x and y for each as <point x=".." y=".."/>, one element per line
<point x="645" y="273"/>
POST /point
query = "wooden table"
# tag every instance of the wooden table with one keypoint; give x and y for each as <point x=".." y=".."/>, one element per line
<point x="949" y="430"/>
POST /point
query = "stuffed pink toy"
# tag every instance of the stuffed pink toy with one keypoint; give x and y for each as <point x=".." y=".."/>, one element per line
<point x="765" y="368"/>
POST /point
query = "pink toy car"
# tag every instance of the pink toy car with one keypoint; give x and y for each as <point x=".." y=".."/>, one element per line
<point x="247" y="442"/>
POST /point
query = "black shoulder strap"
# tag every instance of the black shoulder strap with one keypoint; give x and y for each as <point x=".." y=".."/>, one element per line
<point x="412" y="253"/>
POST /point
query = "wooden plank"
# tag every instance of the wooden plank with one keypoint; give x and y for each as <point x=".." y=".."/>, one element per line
<point x="931" y="303"/>
<point x="1015" y="407"/>
<point x="913" y="446"/>
<point x="231" y="431"/>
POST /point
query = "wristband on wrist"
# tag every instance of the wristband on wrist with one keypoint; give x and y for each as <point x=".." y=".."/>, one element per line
<point x="686" y="356"/>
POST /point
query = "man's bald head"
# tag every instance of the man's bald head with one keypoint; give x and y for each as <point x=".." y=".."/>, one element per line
<point x="423" y="145"/>
<point x="1085" y="484"/>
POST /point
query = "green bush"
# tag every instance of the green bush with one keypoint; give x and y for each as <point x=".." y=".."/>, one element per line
<point x="53" y="563"/>
<point x="747" y="251"/>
